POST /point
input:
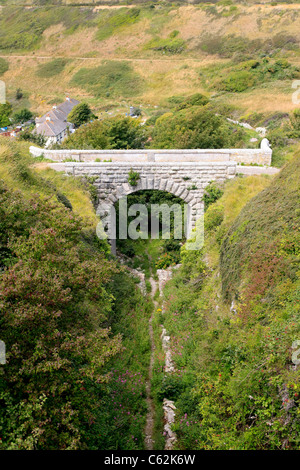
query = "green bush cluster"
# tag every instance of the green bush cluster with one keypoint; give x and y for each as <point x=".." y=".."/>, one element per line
<point x="52" y="68"/>
<point x="68" y="372"/>
<point x="194" y="127"/>
<point x="112" y="78"/>
<point x="133" y="178"/>
<point x="253" y="72"/>
<point x="170" y="45"/>
<point x="212" y="194"/>
<point x="5" y="113"/>
<point x="112" y="133"/>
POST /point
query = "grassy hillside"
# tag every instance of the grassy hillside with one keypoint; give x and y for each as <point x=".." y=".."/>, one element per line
<point x="232" y="311"/>
<point x="172" y="50"/>
<point x="243" y="57"/>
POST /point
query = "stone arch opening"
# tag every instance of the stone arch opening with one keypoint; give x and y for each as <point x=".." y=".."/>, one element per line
<point x="118" y="191"/>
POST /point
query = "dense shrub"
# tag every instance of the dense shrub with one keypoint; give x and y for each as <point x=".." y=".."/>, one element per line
<point x="246" y="74"/>
<point x="80" y="114"/>
<point x="170" y="45"/>
<point x="54" y="308"/>
<point x="111" y="133"/>
<point x="52" y="68"/>
<point x="5" y="113"/>
<point x="212" y="193"/>
<point x="194" y="127"/>
<point x="22" y="116"/>
<point x="112" y="78"/>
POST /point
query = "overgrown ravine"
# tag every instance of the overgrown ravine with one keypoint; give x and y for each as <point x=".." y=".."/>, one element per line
<point x="161" y="412"/>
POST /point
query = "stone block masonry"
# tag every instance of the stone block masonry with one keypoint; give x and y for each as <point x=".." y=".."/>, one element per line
<point x="186" y="180"/>
<point x="184" y="173"/>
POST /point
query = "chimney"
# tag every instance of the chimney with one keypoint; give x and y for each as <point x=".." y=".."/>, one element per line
<point x="55" y="106"/>
<point x="48" y="117"/>
<point x="67" y="98"/>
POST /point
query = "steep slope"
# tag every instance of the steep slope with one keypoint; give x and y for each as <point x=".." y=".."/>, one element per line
<point x="74" y="323"/>
<point x="233" y="314"/>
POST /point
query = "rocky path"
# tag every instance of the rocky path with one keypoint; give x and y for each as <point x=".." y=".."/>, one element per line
<point x="168" y="405"/>
<point x="151" y="408"/>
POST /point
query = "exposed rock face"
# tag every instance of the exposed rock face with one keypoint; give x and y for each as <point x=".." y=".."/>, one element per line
<point x="169" y="414"/>
<point x="169" y="367"/>
<point x="164" y="275"/>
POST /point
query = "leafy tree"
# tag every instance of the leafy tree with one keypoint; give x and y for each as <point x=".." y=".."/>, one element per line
<point x="22" y="116"/>
<point x="5" y="112"/>
<point x="27" y="135"/>
<point x="125" y="133"/>
<point x="195" y="127"/>
<point x="80" y="114"/>
<point x="112" y="133"/>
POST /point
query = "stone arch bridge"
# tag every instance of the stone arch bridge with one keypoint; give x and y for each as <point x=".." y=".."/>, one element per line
<point x="184" y="173"/>
<point x="186" y="180"/>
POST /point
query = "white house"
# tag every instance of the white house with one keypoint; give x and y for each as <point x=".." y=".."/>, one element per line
<point x="54" y="125"/>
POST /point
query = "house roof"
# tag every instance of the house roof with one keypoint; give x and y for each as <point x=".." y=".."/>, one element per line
<point x="51" y="128"/>
<point x="55" y="121"/>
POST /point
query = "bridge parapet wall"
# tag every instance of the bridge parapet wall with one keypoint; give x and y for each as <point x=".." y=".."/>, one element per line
<point x="246" y="156"/>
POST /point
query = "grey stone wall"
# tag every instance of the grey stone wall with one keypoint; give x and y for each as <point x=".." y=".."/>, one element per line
<point x="186" y="180"/>
<point x="260" y="156"/>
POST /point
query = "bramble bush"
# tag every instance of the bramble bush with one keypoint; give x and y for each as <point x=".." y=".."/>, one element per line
<point x="54" y="309"/>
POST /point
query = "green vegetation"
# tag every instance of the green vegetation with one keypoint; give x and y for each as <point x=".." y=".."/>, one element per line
<point x="22" y="116"/>
<point x="238" y="78"/>
<point x="194" y="127"/>
<point x="5" y="112"/>
<point x="212" y="194"/>
<point x="112" y="133"/>
<point x="114" y="21"/>
<point x="28" y="136"/>
<point x="162" y="249"/>
<point x="80" y="114"/>
<point x="22" y="29"/>
<point x="109" y="79"/>
<point x="232" y="313"/>
<point x="75" y="324"/>
<point x="4" y="66"/>
<point x="74" y="321"/>
<point x="52" y="68"/>
<point x="240" y="48"/>
<point x="123" y="406"/>
<point x="133" y="177"/>
<point x="170" y="45"/>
